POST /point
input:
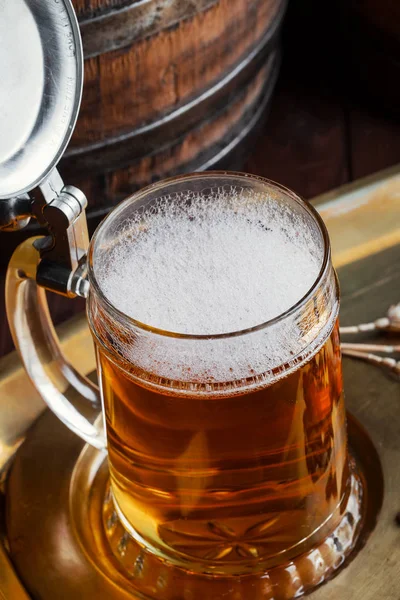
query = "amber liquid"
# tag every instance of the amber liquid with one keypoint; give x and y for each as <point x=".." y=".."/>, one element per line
<point x="230" y="480"/>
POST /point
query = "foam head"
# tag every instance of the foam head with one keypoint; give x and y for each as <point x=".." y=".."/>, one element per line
<point x="212" y="262"/>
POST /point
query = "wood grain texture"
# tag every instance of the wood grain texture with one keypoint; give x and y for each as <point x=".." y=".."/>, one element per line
<point x="90" y="8"/>
<point x="167" y="102"/>
<point x="127" y="88"/>
<point x="381" y="14"/>
<point x="375" y="141"/>
<point x="186" y="153"/>
<point x="139" y="20"/>
<point x="304" y="145"/>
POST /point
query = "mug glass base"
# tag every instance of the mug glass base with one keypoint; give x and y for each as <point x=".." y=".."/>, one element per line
<point x="157" y="576"/>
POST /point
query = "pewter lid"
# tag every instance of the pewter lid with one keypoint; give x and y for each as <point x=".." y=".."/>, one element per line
<point x="41" y="76"/>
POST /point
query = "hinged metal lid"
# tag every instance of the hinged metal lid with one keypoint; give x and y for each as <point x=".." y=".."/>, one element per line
<point x="41" y="75"/>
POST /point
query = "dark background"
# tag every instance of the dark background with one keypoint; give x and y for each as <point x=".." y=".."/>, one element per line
<point x="334" y="116"/>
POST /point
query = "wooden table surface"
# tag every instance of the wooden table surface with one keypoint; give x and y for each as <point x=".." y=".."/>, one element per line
<point x="321" y="131"/>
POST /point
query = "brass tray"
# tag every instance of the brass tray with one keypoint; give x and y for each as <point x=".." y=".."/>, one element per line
<point x="364" y="224"/>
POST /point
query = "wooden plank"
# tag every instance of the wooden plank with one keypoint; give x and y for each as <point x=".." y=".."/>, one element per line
<point x="374" y="140"/>
<point x="303" y="144"/>
<point x="373" y="206"/>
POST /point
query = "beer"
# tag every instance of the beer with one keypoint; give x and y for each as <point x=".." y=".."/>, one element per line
<point x="221" y="379"/>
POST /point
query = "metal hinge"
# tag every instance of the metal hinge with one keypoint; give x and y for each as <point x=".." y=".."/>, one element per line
<point x="61" y="210"/>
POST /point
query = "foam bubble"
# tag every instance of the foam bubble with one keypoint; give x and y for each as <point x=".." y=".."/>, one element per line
<point x="210" y="263"/>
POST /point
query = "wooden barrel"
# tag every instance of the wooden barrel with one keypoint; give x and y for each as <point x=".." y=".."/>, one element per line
<point x="170" y="87"/>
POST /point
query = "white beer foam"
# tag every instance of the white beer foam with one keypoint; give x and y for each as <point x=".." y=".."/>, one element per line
<point x="220" y="263"/>
<point x="213" y="263"/>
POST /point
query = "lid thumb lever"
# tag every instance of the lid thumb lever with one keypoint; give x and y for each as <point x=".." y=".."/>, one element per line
<point x="61" y="209"/>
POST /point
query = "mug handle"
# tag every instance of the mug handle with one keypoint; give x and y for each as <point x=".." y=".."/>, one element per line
<point x="73" y="398"/>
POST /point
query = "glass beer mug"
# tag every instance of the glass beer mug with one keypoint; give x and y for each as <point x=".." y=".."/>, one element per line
<point x="213" y="306"/>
